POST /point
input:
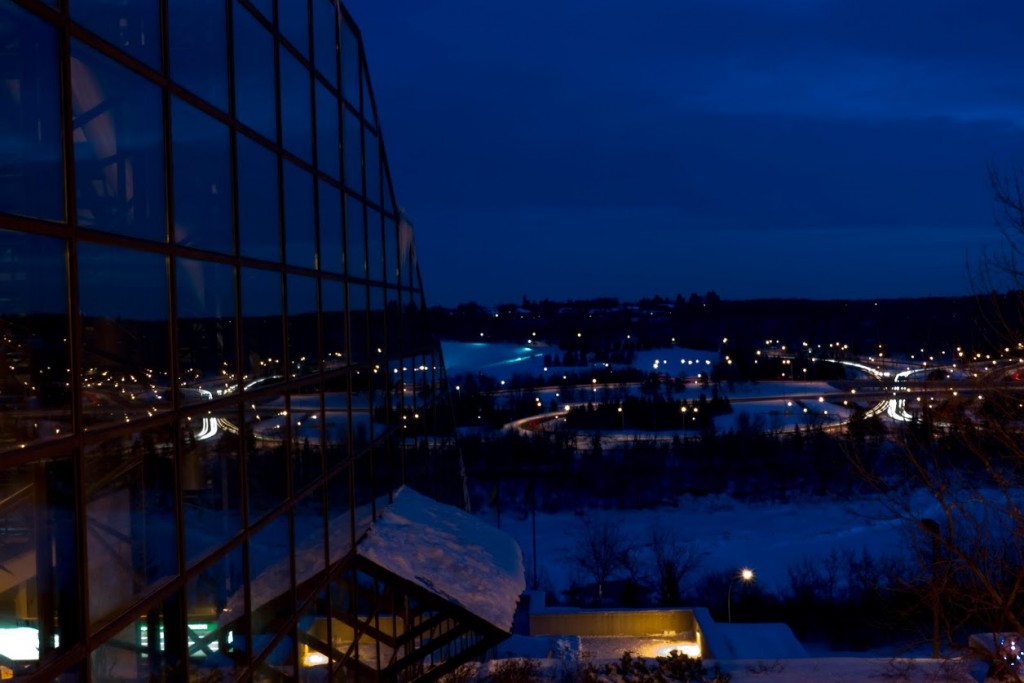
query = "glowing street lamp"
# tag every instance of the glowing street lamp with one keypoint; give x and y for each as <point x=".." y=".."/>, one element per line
<point x="745" y="575"/>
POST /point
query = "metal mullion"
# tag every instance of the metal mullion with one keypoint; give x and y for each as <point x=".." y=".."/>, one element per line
<point x="133" y="64"/>
<point x="176" y="601"/>
<point x="74" y="447"/>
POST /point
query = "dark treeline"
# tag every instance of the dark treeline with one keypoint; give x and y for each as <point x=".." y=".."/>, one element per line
<point x="571" y="470"/>
<point x="600" y="326"/>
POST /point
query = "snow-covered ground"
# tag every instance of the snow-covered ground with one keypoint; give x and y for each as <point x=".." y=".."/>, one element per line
<point x="727" y="534"/>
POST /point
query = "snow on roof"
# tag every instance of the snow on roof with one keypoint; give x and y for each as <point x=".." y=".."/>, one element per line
<point x="450" y="553"/>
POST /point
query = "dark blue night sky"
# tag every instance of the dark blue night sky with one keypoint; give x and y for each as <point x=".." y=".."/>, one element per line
<point x="758" y="148"/>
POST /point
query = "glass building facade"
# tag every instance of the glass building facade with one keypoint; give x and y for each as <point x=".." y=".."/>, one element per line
<point x="215" y="369"/>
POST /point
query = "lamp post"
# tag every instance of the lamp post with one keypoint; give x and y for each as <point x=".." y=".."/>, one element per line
<point x="746" y="575"/>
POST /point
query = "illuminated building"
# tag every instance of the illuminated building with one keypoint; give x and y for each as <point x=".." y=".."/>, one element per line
<point x="215" y="372"/>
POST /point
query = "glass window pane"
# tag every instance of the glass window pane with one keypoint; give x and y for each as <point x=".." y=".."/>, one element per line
<point x="306" y="415"/>
<point x="336" y="421"/>
<point x="357" y="306"/>
<point x="197" y="33"/>
<point x="125" y="656"/>
<point x="391" y="251"/>
<point x="207" y="330"/>
<point x="217" y="618"/>
<point x="353" y="152"/>
<point x="201" y="157"/>
<point x="131" y="26"/>
<point x="331" y="257"/>
<point x="372" y="166"/>
<point x="34" y="391"/>
<point x="328" y="142"/>
<point x="265" y="432"/>
<point x="264" y="7"/>
<point x="349" y="65"/>
<point x="254" y="68"/>
<point x="303" y="354"/>
<point x="125" y="348"/>
<point x="293" y="22"/>
<point x="406" y="251"/>
<point x="132" y="526"/>
<point x="31" y="160"/>
<point x="355" y="237"/>
<point x="325" y="39"/>
<point x="270" y="552"/>
<point x="299" y="219"/>
<point x="378" y="340"/>
<point x="210" y="472"/>
<point x="119" y="159"/>
<point x="296" y="120"/>
<point x="333" y="323"/>
<point x="40" y="556"/>
<point x="259" y="221"/>
<point x="262" y="338"/>
<point x="374" y="244"/>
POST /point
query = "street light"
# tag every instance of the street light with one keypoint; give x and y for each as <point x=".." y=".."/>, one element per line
<point x="746" y="575"/>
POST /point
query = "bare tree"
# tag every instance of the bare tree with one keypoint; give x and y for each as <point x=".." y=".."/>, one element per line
<point x="602" y="549"/>
<point x="674" y="559"/>
<point x="957" y="477"/>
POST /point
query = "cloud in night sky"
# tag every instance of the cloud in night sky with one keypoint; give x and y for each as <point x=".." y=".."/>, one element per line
<point x="576" y="148"/>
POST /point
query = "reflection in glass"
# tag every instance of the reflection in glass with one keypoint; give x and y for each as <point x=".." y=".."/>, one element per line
<point x="201" y="158"/>
<point x="330" y="232"/>
<point x="357" y="304"/>
<point x="332" y="323"/>
<point x="303" y="332"/>
<point x="262" y="337"/>
<point x="372" y="147"/>
<point x="307" y="419"/>
<point x="216" y="613"/>
<point x="207" y="329"/>
<point x="374" y="245"/>
<point x="31" y="160"/>
<point x="390" y="251"/>
<point x="349" y="65"/>
<point x="293" y="22"/>
<point x="132" y="528"/>
<point x="271" y="581"/>
<point x="119" y="161"/>
<point x="353" y="152"/>
<point x="131" y="26"/>
<point x="406" y="252"/>
<point x="197" y="48"/>
<point x="151" y="649"/>
<point x="325" y="39"/>
<point x="299" y="217"/>
<point x="39" y="553"/>
<point x="34" y="375"/>
<point x="254" y="66"/>
<point x="264" y="7"/>
<point x="394" y="340"/>
<point x="210" y="476"/>
<point x="265" y="436"/>
<point x="314" y="644"/>
<point x="355" y="237"/>
<point x="378" y="338"/>
<point x="328" y="144"/>
<point x="336" y="420"/>
<point x="296" y="120"/>
<point x="125" y="348"/>
<point x="369" y="110"/>
<point x="259" y="232"/>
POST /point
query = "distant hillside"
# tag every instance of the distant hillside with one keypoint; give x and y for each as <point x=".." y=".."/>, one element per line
<point x="900" y="325"/>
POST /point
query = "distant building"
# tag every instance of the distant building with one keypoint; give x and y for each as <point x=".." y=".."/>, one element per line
<point x="216" y="378"/>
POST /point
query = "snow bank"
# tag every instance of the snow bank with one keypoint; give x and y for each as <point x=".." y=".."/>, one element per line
<point x="450" y="553"/>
